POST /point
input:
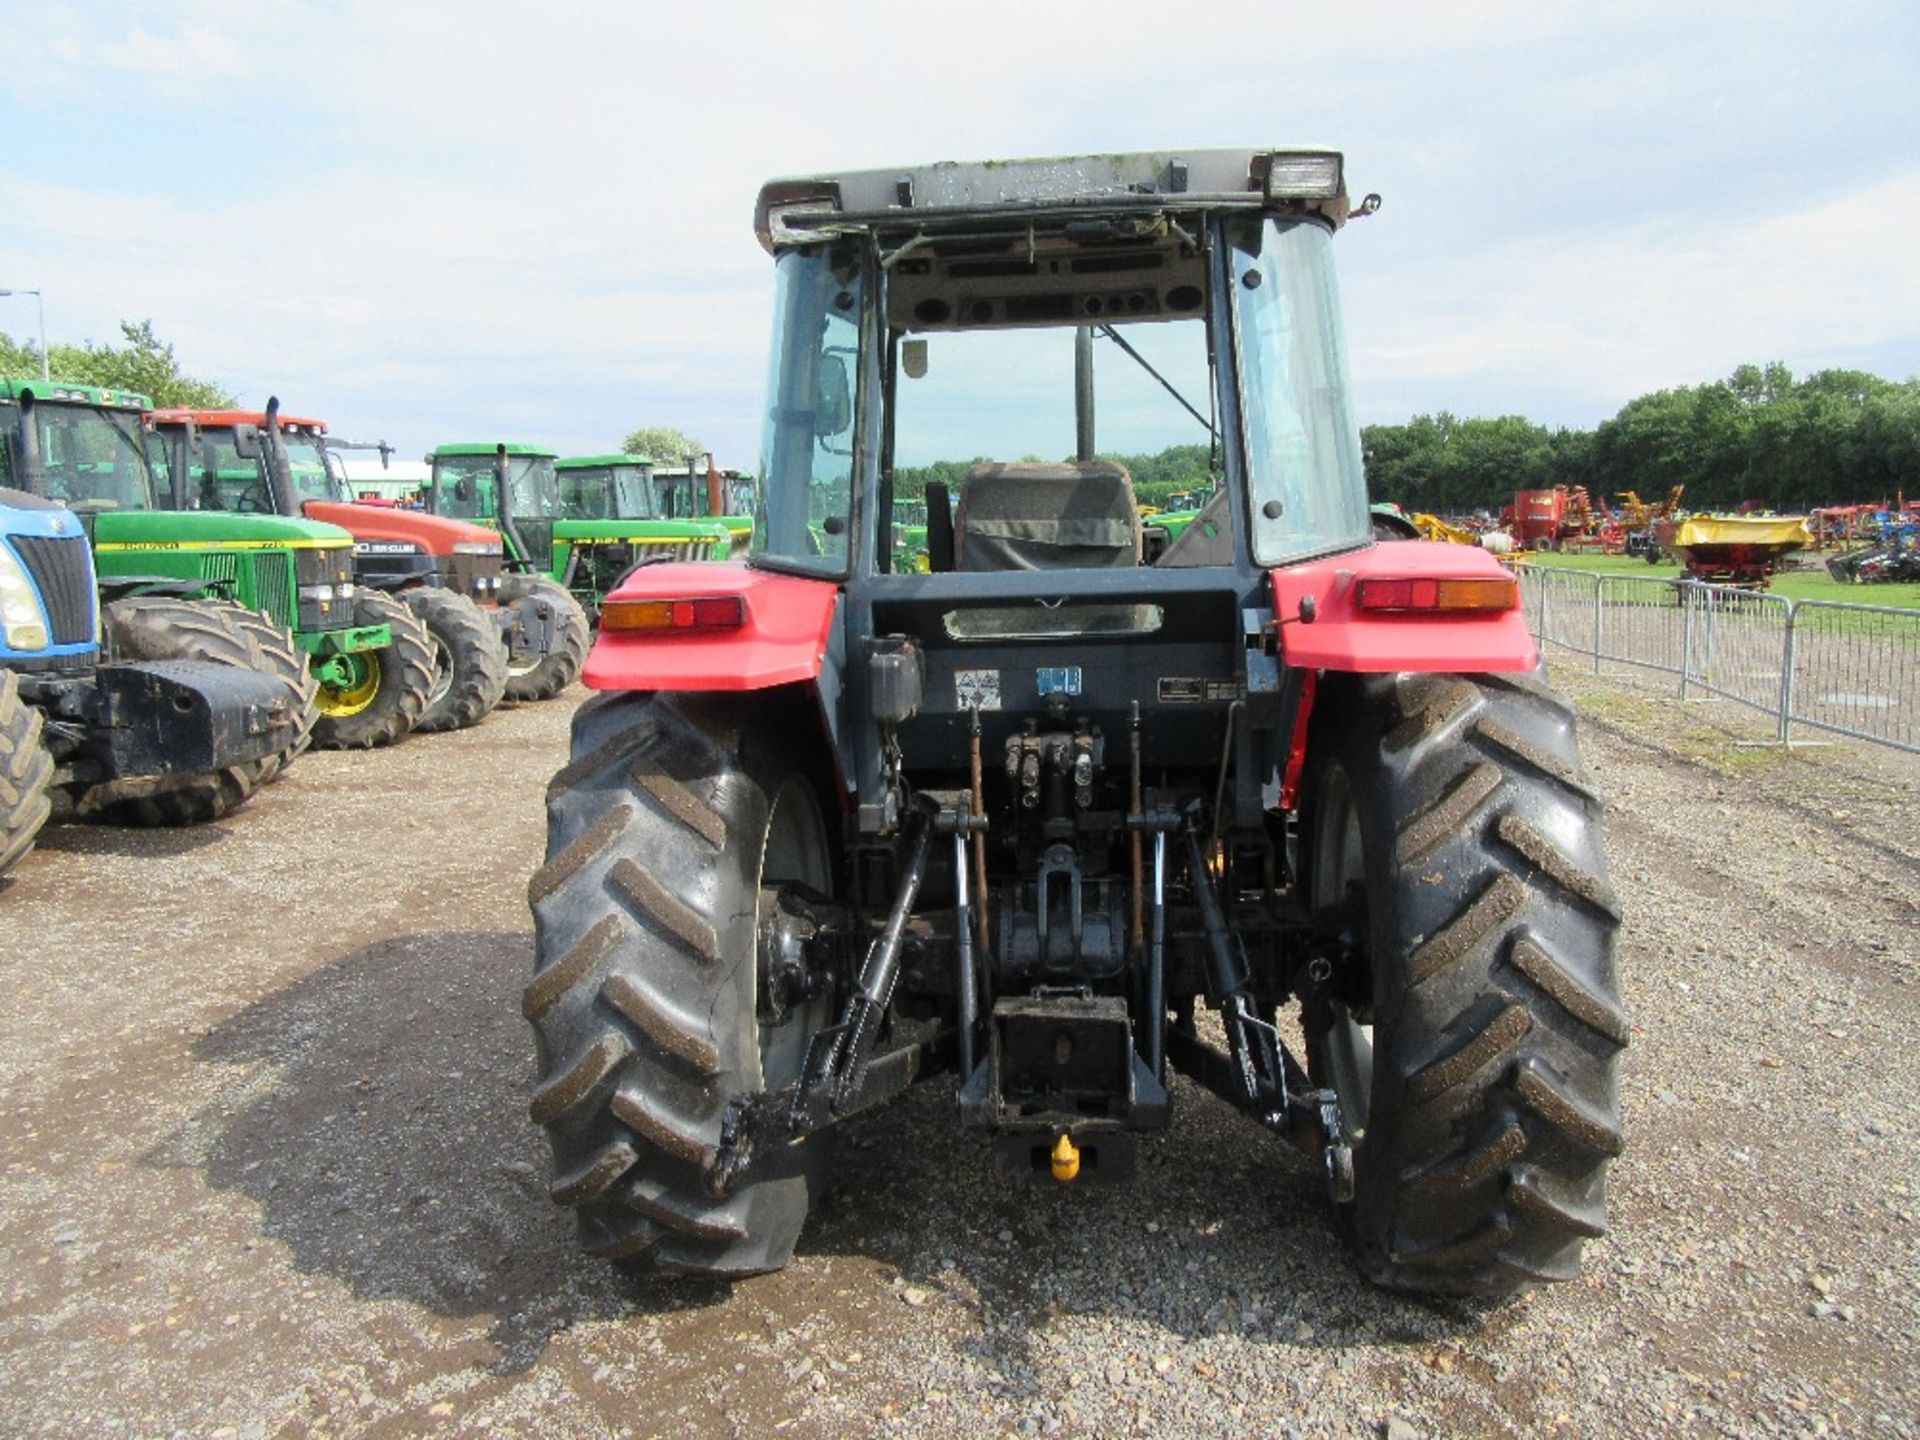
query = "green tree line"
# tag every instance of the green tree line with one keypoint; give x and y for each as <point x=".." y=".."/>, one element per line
<point x="144" y="363"/>
<point x="1834" y="437"/>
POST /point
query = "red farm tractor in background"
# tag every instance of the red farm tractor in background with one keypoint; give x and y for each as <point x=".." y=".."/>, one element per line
<point x="1053" y="818"/>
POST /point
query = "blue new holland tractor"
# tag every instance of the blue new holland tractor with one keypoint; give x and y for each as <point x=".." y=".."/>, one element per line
<point x="164" y="738"/>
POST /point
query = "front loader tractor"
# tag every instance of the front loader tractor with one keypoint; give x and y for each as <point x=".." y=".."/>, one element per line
<point x="1050" y="817"/>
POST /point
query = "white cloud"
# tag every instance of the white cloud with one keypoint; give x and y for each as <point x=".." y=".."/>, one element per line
<point x="1668" y="300"/>
<point x="444" y="219"/>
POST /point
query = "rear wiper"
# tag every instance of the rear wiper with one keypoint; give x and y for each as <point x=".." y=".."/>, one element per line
<point x="1166" y="384"/>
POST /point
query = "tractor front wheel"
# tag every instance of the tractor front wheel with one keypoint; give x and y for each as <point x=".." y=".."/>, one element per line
<point x="374" y="697"/>
<point x="26" y="776"/>
<point x="1472" y="1038"/>
<point x="547" y="675"/>
<point x="469" y="661"/>
<point x="670" y="836"/>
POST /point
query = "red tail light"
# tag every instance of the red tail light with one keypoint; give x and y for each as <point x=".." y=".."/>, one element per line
<point x="1426" y="594"/>
<point x="674" y="617"/>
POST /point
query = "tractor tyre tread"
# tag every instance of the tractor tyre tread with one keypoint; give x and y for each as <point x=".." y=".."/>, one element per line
<point x="1498" y="1023"/>
<point x="642" y="1026"/>
<point x="463" y="631"/>
<point x="286" y="661"/>
<point x="406" y="680"/>
<point x="26" y="776"/>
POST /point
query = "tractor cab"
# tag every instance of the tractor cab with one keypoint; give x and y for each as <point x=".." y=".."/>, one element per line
<point x="608" y="487"/>
<point x="511" y="488"/>
<point x="223" y="460"/>
<point x="85" y="444"/>
<point x="1009" y="355"/>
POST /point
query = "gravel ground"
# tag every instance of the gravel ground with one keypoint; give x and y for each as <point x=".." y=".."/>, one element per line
<point x="266" y="1167"/>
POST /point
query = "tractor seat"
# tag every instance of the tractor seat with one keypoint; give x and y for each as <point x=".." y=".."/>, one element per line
<point x="1075" y="515"/>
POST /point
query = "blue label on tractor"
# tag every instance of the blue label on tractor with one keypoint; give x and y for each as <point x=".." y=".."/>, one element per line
<point x="1058" y="680"/>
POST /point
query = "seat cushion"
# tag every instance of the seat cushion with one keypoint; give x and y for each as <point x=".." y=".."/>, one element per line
<point x="1072" y="515"/>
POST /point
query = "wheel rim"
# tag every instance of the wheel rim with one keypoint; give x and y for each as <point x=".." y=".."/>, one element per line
<point x="442" y="670"/>
<point x="1339" y="865"/>
<point x="795" y="854"/>
<point x="338" y="702"/>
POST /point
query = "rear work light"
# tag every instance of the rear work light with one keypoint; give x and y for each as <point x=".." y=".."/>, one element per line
<point x="1314" y="175"/>
<point x="674" y="617"/>
<point x="1493" y="593"/>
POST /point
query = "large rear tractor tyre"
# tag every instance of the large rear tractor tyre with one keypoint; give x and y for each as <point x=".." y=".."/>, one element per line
<point x="26" y="776"/>
<point x="669" y="834"/>
<point x="281" y="658"/>
<point x="159" y="627"/>
<point x="469" y="660"/>
<point x="1452" y="832"/>
<point x="546" y="677"/>
<point x="388" y="689"/>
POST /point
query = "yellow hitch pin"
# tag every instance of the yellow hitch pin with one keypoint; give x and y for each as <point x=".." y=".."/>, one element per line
<point x="1066" y="1159"/>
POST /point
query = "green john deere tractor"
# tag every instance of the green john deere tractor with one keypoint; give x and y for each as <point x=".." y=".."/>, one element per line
<point x="358" y="662"/>
<point x="514" y="489"/>
<point x="618" y="511"/>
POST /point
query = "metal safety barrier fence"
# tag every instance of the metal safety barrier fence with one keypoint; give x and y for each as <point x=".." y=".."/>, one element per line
<point x="1846" y="669"/>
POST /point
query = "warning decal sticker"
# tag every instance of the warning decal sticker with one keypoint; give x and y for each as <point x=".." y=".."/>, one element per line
<point x="977" y="689"/>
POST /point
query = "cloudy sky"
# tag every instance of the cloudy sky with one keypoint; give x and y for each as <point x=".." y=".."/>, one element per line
<point x="435" y="221"/>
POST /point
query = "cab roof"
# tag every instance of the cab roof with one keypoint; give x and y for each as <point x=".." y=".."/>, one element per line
<point x="104" y="396"/>
<point x="490" y="447"/>
<point x="216" y="419"/>
<point x="1297" y="179"/>
<point x="599" y="462"/>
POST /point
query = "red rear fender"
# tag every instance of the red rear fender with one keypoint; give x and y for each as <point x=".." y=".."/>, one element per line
<point x="1343" y="637"/>
<point x="782" y="639"/>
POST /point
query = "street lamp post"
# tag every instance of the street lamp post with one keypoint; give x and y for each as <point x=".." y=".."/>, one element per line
<point x="40" y="304"/>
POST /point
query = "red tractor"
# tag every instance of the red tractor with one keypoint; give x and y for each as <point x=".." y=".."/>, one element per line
<point x="1051" y="817"/>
